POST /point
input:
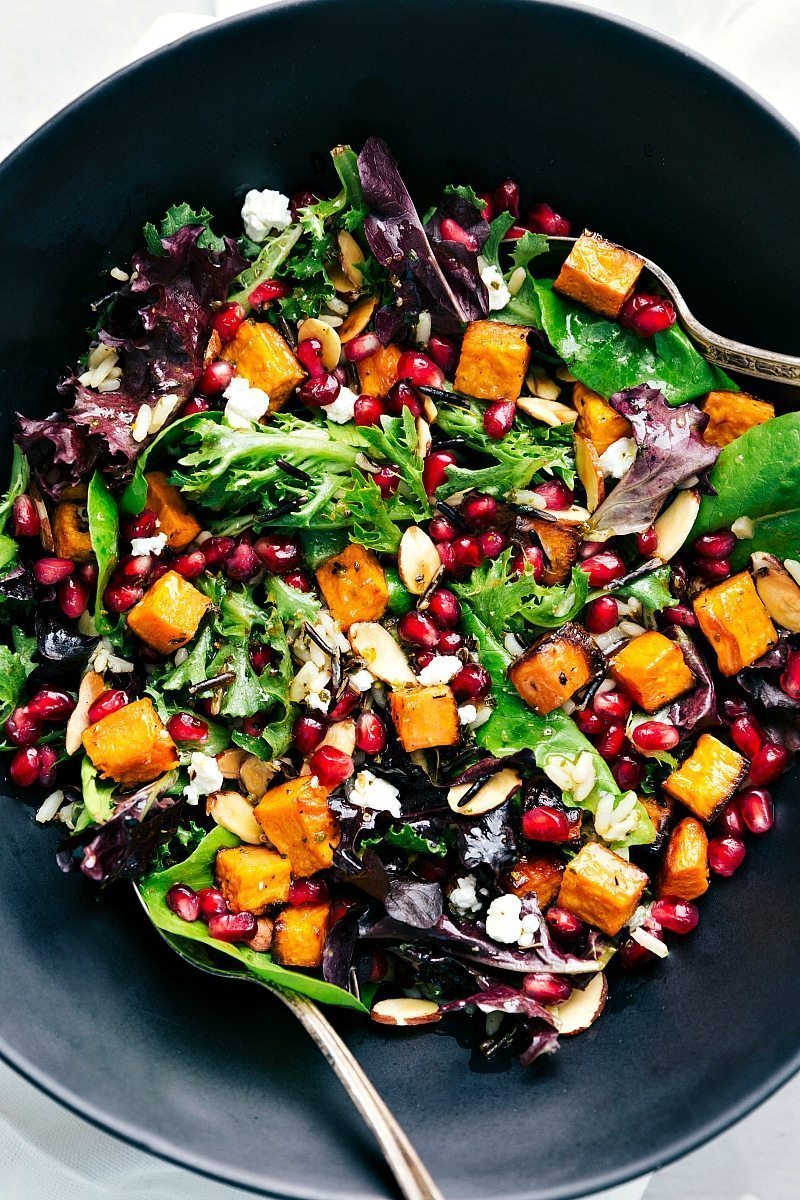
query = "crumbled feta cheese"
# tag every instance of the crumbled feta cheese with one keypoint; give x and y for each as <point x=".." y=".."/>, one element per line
<point x="743" y="528"/>
<point x="578" y="778"/>
<point x="361" y="680"/>
<point x="613" y="822"/>
<point x="618" y="458"/>
<point x="265" y="211"/>
<point x="245" y="403"/>
<point x="205" y="777"/>
<point x="467" y="714"/>
<point x="49" y="807"/>
<point x="310" y="685"/>
<point x="440" y="669"/>
<point x="149" y="545"/>
<point x="650" y="942"/>
<point x="343" y="407"/>
<point x="104" y="659"/>
<point x="464" y="896"/>
<point x="492" y="278"/>
<point x="368" y="791"/>
<point x="503" y="919"/>
<point x="530" y="927"/>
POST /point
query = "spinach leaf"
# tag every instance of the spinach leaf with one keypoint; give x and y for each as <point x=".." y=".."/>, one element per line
<point x="134" y="497"/>
<point x="652" y="591"/>
<point x="409" y="838"/>
<point x="198" y="872"/>
<point x="175" y="218"/>
<point x="104" y="532"/>
<point x="758" y="476"/>
<point x="20" y="475"/>
<point x="193" y="669"/>
<point x="15" y="667"/>
<point x="272" y="255"/>
<point x="505" y="601"/>
<point x="97" y="793"/>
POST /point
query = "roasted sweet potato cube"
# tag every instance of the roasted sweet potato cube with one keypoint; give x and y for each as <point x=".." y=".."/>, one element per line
<point x="735" y="621"/>
<point x="597" y="419"/>
<point x="131" y="745"/>
<point x="425" y="716"/>
<point x="251" y="878"/>
<point x="378" y="371"/>
<point x="265" y="359"/>
<point x="652" y="669"/>
<point x="659" y="809"/>
<point x="174" y="518"/>
<point x="599" y="274"/>
<point x="354" y="586"/>
<point x="684" y="871"/>
<point x="732" y="414"/>
<point x="560" y="543"/>
<point x="555" y="667"/>
<point x="298" y="938"/>
<point x="708" y="778"/>
<point x="168" y="614"/>
<point x="297" y="820"/>
<point x="600" y="887"/>
<point x="493" y="361"/>
<point x="71" y="532"/>
<point x="540" y="874"/>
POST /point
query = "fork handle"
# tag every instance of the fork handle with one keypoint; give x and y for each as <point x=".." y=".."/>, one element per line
<point x="405" y="1164"/>
<point x="737" y="356"/>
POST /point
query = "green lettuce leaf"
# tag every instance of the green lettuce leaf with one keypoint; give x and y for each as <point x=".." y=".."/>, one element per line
<point x="507" y="602"/>
<point x="175" y="218"/>
<point x="15" y="666"/>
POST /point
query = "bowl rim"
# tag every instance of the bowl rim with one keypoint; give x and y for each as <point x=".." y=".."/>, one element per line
<point x="152" y="1143"/>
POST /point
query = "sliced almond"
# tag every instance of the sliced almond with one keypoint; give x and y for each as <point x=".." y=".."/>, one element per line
<point x="551" y="412"/>
<point x="256" y="775"/>
<point x="380" y="652"/>
<point x="430" y="410"/>
<point x="90" y="688"/>
<point x="779" y="593"/>
<point x="565" y="375"/>
<point x="45" y="528"/>
<point x="405" y="1010"/>
<point x="357" y="319"/>
<point x="232" y="811"/>
<point x="589" y="471"/>
<point x="328" y="337"/>
<point x="540" y="384"/>
<point x="341" y="283"/>
<point x="582" y="1009"/>
<point x="350" y="255"/>
<point x="424" y="439"/>
<point x="213" y="348"/>
<point x="575" y="515"/>
<point x="341" y="736"/>
<point x="494" y="792"/>
<point x="676" y="523"/>
<point x="229" y="762"/>
<point x="417" y="560"/>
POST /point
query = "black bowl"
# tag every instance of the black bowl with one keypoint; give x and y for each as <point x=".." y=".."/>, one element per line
<point x="638" y="139"/>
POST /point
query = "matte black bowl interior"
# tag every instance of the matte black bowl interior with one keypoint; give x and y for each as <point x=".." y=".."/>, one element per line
<point x="638" y="139"/>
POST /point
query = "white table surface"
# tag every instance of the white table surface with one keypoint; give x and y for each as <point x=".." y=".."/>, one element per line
<point x="50" y="52"/>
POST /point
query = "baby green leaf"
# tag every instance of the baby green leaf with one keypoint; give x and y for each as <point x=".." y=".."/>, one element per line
<point x="104" y="532"/>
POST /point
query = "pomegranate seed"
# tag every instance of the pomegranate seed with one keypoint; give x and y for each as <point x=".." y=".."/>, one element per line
<point x="589" y="722"/>
<point x="452" y="232"/>
<point x="647" y="541"/>
<point x="498" y="419"/>
<point x="387" y="481"/>
<point x="434" y="470"/>
<point x="790" y="679"/>
<point x="646" y="315"/>
<point x="309" y="353"/>
<point x="50" y="571"/>
<point x="747" y="735"/>
<point x="266" y="292"/>
<point x="243" y="563"/>
<point x="715" y="545"/>
<point x="88" y="573"/>
<point x="443" y="353"/>
<point x="48" y="766"/>
<point x="331" y="766"/>
<point x="379" y="965"/>
<point x="106" y="703"/>
<point x="556" y="495"/>
<point x="253" y="726"/>
<point x="347" y="702"/>
<point x="587" y="549"/>
<point x="216" y="377"/>
<point x="431" y="869"/>
<point x="319" y="390"/>
<point x="227" y="320"/>
<point x="424" y="659"/>
<point x="628" y="773"/>
<point x="473" y="682"/>
<point x="544" y="824"/>
<point x="611" y="742"/>
<point x="564" y="924"/>
<point x="119" y="597"/>
<point x="506" y="197"/>
<point x="492" y="543"/>
<point x="25" y="517"/>
<point x="185" y="727"/>
<point x="479" y="511"/>
<point x="547" y="989"/>
<point x="450" y="642"/>
<point x="652" y="736"/>
<point x="135" y="568"/>
<point x="362" y="347"/>
<point x="260" y="655"/>
<point x="769" y="764"/>
<point x="232" y="927"/>
<point x="142" y="526"/>
<point x="675" y="914"/>
<point x="530" y="555"/>
<point x="488" y="205"/>
<point x="730" y="819"/>
<point x="73" y="597"/>
<point x="679" y="614"/>
<point x="633" y="956"/>
<point x="308" y="891"/>
<point x="217" y="550"/>
<point x="301" y="199"/>
<point x="515" y="233"/>
<point x="726" y="855"/>
<point x="544" y="219"/>
<point x="419" y="369"/>
<point x="418" y="629"/>
<point x="50" y="705"/>
<point x="182" y="900"/>
<point x="190" y="566"/>
<point x="370" y="733"/>
<point x="298" y="580"/>
<point x="195" y="405"/>
<point x="448" y="558"/>
<point x="22" y="728"/>
<point x="279" y="554"/>
<point x="367" y="410"/>
<point x="603" y="568"/>
<point x="615" y="706"/>
<point x="403" y="395"/>
<point x="159" y="568"/>
<point x="757" y="810"/>
<point x="715" y="569"/>
<point x="212" y="902"/>
<point x="601" y="615"/>
<point x="467" y="552"/>
<point x="444" y="607"/>
<point x="23" y="769"/>
<point x="442" y="530"/>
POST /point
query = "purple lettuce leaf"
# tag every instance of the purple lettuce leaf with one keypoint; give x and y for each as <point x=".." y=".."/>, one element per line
<point x="502" y="999"/>
<point x="670" y="450"/>
<point x="124" y="846"/>
<point x="699" y="707"/>
<point x="414" y="902"/>
<point x="461" y="209"/>
<point x="544" y="1041"/>
<point x="761" y="680"/>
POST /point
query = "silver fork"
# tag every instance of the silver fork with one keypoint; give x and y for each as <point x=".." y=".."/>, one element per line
<point x="409" y="1171"/>
<point x="723" y="352"/>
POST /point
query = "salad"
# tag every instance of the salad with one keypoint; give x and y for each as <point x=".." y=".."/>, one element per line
<point x="404" y="603"/>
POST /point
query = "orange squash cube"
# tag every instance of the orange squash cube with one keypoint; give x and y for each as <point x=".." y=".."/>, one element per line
<point x="265" y="359"/>
<point x="707" y="779"/>
<point x="597" y="419"/>
<point x="354" y="586"/>
<point x="251" y="878"/>
<point x="735" y="621"/>
<point x="659" y="809"/>
<point x="298" y="938"/>
<point x="494" y="360"/>
<point x="560" y="543"/>
<point x="174" y="518"/>
<point x="297" y="820"/>
<point x="732" y="414"/>
<point x="653" y="670"/>
<point x="684" y="871"/>
<point x="378" y="371"/>
<point x="71" y="532"/>
<point x="600" y="887"/>
<point x="555" y="667"/>
<point x="599" y="274"/>
<point x="540" y="875"/>
<point x="131" y="745"/>
<point x="168" y="614"/>
<point x="425" y="716"/>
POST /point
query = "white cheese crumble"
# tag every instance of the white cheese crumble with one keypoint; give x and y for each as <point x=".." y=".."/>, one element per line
<point x="440" y="669"/>
<point x="310" y="685"/>
<point x="467" y="714"/>
<point x="264" y="212"/>
<point x="343" y="407"/>
<point x="464" y="896"/>
<point x="492" y="278"/>
<point x="743" y="528"/>
<point x="368" y="791"/>
<point x="613" y="822"/>
<point x="205" y="777"/>
<point x="245" y="403"/>
<point x="149" y="545"/>
<point x="361" y="680"/>
<point x="618" y="458"/>
<point x="529" y="931"/>
<point x="503" y="919"/>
